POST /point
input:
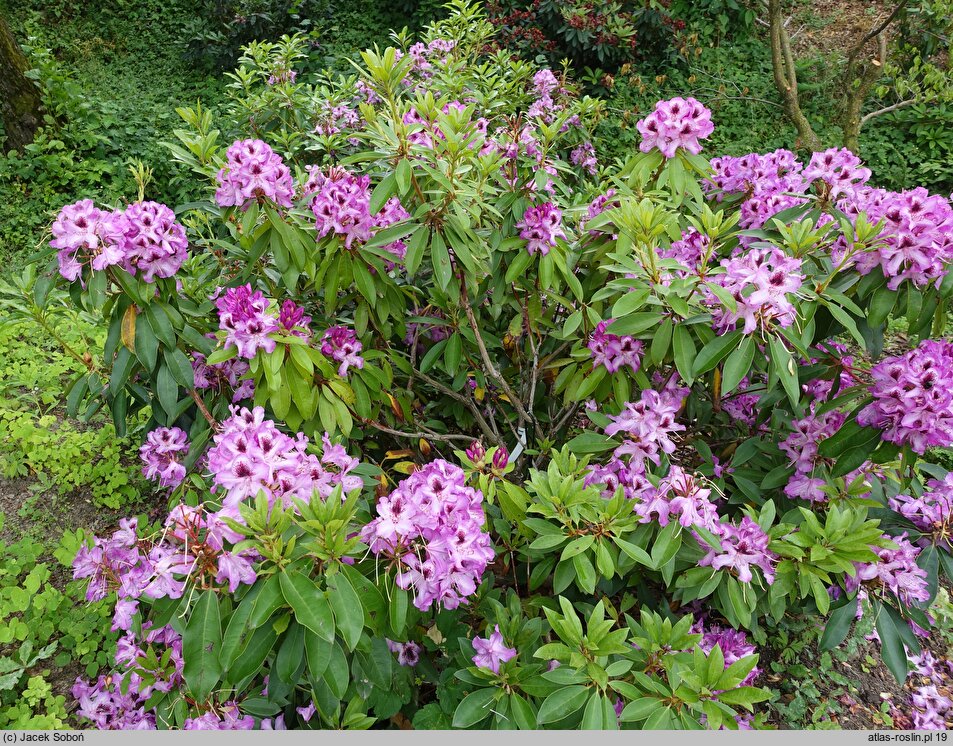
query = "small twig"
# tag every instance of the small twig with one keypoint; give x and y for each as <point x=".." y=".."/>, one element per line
<point x="474" y="409"/>
<point x="213" y="423"/>
<point x="521" y="412"/>
<point x="426" y="433"/>
<point x="886" y="110"/>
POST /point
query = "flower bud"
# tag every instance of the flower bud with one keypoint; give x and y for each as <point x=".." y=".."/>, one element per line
<point x="476" y="452"/>
<point x="501" y="458"/>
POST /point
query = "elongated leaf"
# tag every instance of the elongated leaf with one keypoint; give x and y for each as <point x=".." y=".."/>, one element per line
<point x="201" y="646"/>
<point x="310" y="606"/>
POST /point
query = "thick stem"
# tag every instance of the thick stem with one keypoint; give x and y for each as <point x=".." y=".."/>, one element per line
<point x="21" y="106"/>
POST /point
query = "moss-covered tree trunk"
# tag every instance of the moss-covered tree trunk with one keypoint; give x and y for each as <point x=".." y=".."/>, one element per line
<point x="20" y="103"/>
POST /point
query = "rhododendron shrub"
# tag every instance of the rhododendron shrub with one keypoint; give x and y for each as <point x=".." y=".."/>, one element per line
<point x="460" y="425"/>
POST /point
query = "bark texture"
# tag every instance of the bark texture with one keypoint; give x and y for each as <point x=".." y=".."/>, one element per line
<point x="21" y="107"/>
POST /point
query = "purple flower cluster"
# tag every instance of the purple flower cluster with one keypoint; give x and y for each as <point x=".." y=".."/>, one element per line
<point x="220" y="376"/>
<point x="541" y="226"/>
<point x="144" y="238"/>
<point x="733" y="643"/>
<point x="896" y="571"/>
<point x="253" y="171"/>
<point x="341" y="204"/>
<point x="161" y="454"/>
<point x="916" y="243"/>
<point x="839" y="169"/>
<point x="930" y="708"/>
<point x="648" y="425"/>
<point x="431" y="525"/>
<point x="689" y="251"/>
<point x="341" y="345"/>
<point x="334" y="119"/>
<point x="743" y="546"/>
<point x="251" y="455"/>
<point x="584" y="156"/>
<point x="491" y="651"/>
<point x="614" y="351"/>
<point x="931" y="513"/>
<point x="676" y="123"/>
<point x="243" y="316"/>
<point x="153" y="243"/>
<point x="408" y="653"/>
<point x="598" y="206"/>
<point x="225" y="716"/>
<point x="913" y="397"/>
<point x="759" y="281"/>
<point x="110" y="705"/>
<point x="801" y="446"/>
<point x="680" y="497"/>
<point x="293" y="321"/>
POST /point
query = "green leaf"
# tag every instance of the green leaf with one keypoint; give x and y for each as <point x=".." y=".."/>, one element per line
<point x="838" y="625"/>
<point x="382" y="192"/>
<point x="415" y="250"/>
<point x="167" y="390"/>
<point x="347" y="608"/>
<point x="318" y="653"/>
<point x="592" y="715"/>
<point x="290" y="654"/>
<point x="784" y="366"/>
<point x="161" y="326"/>
<point x="891" y="646"/>
<point x="474" y="707"/>
<point x="562" y="703"/>
<point x="737" y="366"/>
<point x="201" y="646"/>
<point x="639" y="709"/>
<point x="713" y="352"/>
<point x="440" y="257"/>
<point x="684" y="348"/>
<point x="180" y="367"/>
<point x="310" y="606"/>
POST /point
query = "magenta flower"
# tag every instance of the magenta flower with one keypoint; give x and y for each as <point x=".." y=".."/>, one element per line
<point x="676" y="123"/>
<point x="492" y="651"/>
<point x="86" y="236"/>
<point x="252" y="172"/>
<point x="742" y="547"/>
<point x="612" y="351"/>
<point x="341" y="345"/>
<point x="913" y="397"/>
<point x="161" y="454"/>
<point x="244" y="317"/>
<point x="153" y="242"/>
<point x="541" y="227"/>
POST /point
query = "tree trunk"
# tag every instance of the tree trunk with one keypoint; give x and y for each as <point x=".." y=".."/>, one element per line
<point x="21" y="108"/>
<point x="785" y="78"/>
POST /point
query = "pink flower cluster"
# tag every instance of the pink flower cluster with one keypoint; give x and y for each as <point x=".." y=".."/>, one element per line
<point x="931" y="513"/>
<point x="916" y="243"/>
<point x="145" y="238"/>
<point x="839" y="169"/>
<point x="759" y="281"/>
<point x="243" y="316"/>
<point x="334" y="119"/>
<point x="251" y="455"/>
<point x="110" y="705"/>
<point x="896" y="571"/>
<point x="341" y="345"/>
<point x="220" y="376"/>
<point x="252" y="172"/>
<point x="491" y="651"/>
<point x="801" y="446"/>
<point x="225" y="716"/>
<point x="408" y="653"/>
<point x="614" y="351"/>
<point x="431" y="525"/>
<point x="541" y="226"/>
<point x="913" y="397"/>
<point x="743" y="546"/>
<point x="341" y="206"/>
<point x="676" y="123"/>
<point x="153" y="242"/>
<point x="161" y="454"/>
<point x="293" y="321"/>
